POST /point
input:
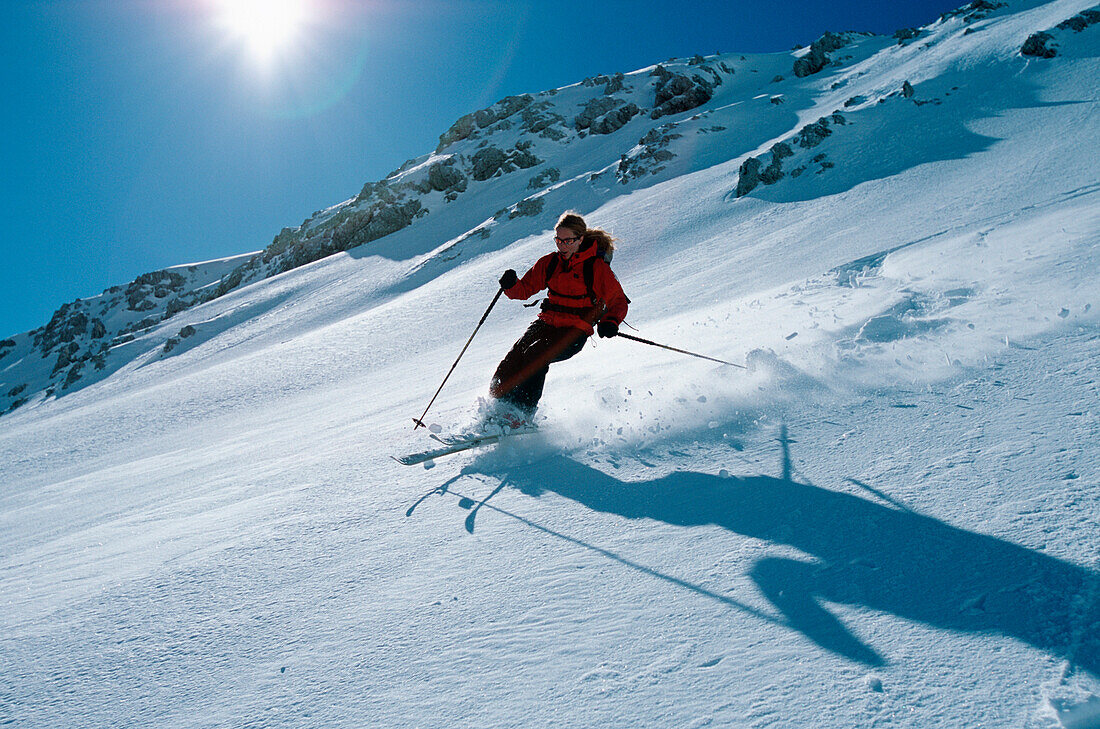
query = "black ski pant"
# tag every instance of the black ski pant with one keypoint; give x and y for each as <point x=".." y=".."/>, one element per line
<point x="520" y="376"/>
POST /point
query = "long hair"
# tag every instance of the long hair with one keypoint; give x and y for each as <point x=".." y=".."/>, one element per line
<point x="599" y="236"/>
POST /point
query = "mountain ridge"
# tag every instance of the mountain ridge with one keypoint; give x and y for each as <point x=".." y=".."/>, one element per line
<point x="612" y="134"/>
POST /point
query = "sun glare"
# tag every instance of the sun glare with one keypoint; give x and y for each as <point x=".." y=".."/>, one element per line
<point x="265" y="27"/>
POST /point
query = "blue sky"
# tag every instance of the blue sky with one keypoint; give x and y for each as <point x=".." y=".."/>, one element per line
<point x="139" y="134"/>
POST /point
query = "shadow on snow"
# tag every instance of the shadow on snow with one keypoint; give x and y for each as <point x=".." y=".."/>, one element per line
<point x="883" y="557"/>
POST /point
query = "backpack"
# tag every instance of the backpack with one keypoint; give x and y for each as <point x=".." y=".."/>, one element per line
<point x="588" y="270"/>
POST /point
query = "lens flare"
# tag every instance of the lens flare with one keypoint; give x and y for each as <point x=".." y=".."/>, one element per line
<point x="265" y="27"/>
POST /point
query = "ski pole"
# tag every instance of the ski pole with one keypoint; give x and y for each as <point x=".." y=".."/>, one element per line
<point x="420" y="421"/>
<point x="681" y="351"/>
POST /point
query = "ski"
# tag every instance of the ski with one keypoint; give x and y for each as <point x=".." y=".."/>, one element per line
<point x="465" y="437"/>
<point x="450" y="448"/>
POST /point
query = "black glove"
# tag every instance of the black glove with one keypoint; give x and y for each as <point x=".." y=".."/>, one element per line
<point x="509" y="279"/>
<point x="607" y="329"/>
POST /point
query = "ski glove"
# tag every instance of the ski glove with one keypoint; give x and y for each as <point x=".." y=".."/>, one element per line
<point x="509" y="279"/>
<point x="607" y="329"/>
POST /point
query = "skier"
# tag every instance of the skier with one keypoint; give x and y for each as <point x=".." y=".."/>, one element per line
<point x="582" y="291"/>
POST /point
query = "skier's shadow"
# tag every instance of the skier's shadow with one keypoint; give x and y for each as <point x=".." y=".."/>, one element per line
<point x="883" y="557"/>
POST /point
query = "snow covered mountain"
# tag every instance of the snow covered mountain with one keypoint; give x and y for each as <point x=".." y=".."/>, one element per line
<point x="889" y="518"/>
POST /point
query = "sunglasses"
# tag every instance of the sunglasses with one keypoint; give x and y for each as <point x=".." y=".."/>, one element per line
<point x="566" y="241"/>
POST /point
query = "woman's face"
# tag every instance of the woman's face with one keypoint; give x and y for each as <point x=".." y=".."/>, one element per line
<point x="568" y="241"/>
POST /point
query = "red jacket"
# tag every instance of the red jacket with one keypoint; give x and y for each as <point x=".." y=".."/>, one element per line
<point x="568" y="293"/>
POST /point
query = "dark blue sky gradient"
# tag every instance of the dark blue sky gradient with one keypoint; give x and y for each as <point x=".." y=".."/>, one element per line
<point x="135" y="137"/>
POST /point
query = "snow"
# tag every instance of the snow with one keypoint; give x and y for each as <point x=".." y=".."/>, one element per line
<point x="889" y="518"/>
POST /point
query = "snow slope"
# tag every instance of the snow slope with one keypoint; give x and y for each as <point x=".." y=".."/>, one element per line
<point x="889" y="519"/>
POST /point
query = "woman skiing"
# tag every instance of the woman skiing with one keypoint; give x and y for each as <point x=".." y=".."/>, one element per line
<point x="582" y="291"/>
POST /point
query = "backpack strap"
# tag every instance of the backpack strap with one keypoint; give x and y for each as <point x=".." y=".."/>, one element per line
<point x="589" y="271"/>
<point x="550" y="269"/>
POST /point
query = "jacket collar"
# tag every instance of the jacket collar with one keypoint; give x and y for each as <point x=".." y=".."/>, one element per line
<point x="586" y="251"/>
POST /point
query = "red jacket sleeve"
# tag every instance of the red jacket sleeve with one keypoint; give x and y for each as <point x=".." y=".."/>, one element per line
<point x="532" y="282"/>
<point x="609" y="290"/>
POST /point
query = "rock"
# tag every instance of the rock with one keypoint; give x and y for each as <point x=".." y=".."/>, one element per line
<point x="748" y="176"/>
<point x="356" y="229"/>
<point x="906" y="34"/>
<point x="444" y="176"/>
<point x="649" y="156"/>
<point x="538" y="119"/>
<point x="1080" y="21"/>
<point x="595" y="108"/>
<point x="547" y="177"/>
<point x="812" y="135"/>
<point x="528" y="207"/>
<point x="467" y="125"/>
<point x="461" y="129"/>
<point x="65" y="357"/>
<point x="1036" y="45"/>
<point x="501" y="110"/>
<point x="490" y="160"/>
<point x="175" y="306"/>
<point x="487" y="162"/>
<point x="615" y="120"/>
<point x="615" y="83"/>
<point x="73" y="376"/>
<point x="187" y="331"/>
<point x="907" y="90"/>
<point x="676" y="93"/>
<point x="976" y="10"/>
<point x="817" y="57"/>
<point x="171" y="344"/>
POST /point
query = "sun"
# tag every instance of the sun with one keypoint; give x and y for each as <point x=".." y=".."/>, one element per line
<point x="267" y="28"/>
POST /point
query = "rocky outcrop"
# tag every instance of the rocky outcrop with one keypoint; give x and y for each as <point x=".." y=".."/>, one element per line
<point x="817" y="58"/>
<point x="489" y="161"/>
<point x="444" y="177"/>
<point x="468" y="124"/>
<point x="676" y="93"/>
<point x="1043" y="45"/>
<point x="904" y="35"/>
<point x="1038" y="46"/>
<point x="615" y="120"/>
<point x="528" y="207"/>
<point x="649" y="156"/>
<point x="364" y="226"/>
<point x="540" y="119"/>
<point x="748" y="176"/>
<point x="1080" y="21"/>
<point x="547" y="177"/>
<point x="754" y="173"/>
<point x="615" y="84"/>
<point x="976" y="10"/>
<point x="594" y="109"/>
<point x="158" y="284"/>
<point x="605" y="115"/>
